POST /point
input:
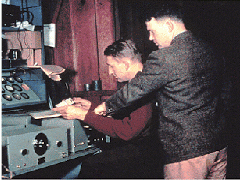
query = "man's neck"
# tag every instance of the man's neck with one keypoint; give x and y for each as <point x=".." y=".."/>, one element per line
<point x="178" y="28"/>
<point x="179" y="33"/>
<point x="139" y="67"/>
<point x="135" y="68"/>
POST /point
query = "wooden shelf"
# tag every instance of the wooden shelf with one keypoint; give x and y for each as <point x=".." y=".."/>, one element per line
<point x="94" y="93"/>
<point x="94" y="96"/>
<point x="13" y="29"/>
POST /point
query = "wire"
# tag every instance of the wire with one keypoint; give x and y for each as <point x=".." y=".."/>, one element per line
<point x="26" y="44"/>
<point x="96" y="30"/>
<point x="18" y="37"/>
<point x="11" y="43"/>
<point x="26" y="10"/>
<point x="24" y="40"/>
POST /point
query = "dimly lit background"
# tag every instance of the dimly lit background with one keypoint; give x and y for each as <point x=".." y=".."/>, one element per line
<point x="215" y="21"/>
<point x="86" y="27"/>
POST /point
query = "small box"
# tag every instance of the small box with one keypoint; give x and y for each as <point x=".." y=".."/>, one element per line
<point x="24" y="39"/>
<point x="33" y="56"/>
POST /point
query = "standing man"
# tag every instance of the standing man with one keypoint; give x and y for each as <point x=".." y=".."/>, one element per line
<point x="188" y="78"/>
<point x="134" y="148"/>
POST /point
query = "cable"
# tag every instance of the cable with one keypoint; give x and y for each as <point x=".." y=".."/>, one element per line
<point x="96" y="29"/>
<point x="18" y="37"/>
<point x="24" y="38"/>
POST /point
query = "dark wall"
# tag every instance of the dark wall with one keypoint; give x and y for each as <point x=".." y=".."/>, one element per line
<point x="215" y="21"/>
<point x="218" y="22"/>
<point x="132" y="24"/>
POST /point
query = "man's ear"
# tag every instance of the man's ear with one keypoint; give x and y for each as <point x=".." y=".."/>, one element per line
<point x="153" y="19"/>
<point x="127" y="63"/>
<point x="170" y="25"/>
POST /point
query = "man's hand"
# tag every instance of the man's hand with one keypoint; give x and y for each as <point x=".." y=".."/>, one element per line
<point x="65" y="102"/>
<point x="72" y="112"/>
<point x="83" y="103"/>
<point x="101" y="109"/>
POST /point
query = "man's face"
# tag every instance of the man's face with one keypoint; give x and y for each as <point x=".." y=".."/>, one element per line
<point x="117" y="68"/>
<point x="159" y="32"/>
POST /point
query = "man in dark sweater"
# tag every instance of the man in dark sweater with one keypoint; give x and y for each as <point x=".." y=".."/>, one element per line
<point x="134" y="151"/>
<point x="189" y="80"/>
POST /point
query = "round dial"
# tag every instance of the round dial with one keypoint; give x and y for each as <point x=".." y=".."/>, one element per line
<point x="9" y="88"/>
<point x="17" y="87"/>
<point x="7" y="97"/>
<point x="4" y="81"/>
<point x="24" y="95"/>
<point x="16" y="96"/>
<point x="24" y="152"/>
<point x="40" y="144"/>
<point x="10" y="79"/>
<point x="18" y="79"/>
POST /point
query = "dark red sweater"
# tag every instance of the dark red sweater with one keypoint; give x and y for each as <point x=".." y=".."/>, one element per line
<point x="125" y="129"/>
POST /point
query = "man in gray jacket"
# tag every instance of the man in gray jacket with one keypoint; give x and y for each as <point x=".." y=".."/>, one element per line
<point x="188" y="78"/>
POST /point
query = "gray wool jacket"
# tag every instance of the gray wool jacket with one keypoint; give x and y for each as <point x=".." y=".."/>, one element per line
<point x="188" y="81"/>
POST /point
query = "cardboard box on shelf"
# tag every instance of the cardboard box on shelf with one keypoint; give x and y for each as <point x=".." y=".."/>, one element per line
<point x="33" y="56"/>
<point x="23" y="39"/>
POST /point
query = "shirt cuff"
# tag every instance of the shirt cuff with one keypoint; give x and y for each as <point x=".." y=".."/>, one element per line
<point x="90" y="115"/>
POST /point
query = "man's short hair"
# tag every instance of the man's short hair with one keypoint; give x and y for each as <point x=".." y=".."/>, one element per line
<point x="123" y="48"/>
<point x="160" y="10"/>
